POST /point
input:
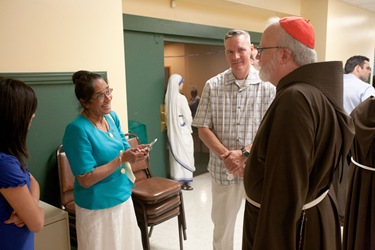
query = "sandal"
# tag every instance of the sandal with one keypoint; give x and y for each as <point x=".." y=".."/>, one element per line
<point x="186" y="186"/>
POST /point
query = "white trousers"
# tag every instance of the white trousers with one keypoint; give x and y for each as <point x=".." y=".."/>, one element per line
<point x="112" y="228"/>
<point x="226" y="202"/>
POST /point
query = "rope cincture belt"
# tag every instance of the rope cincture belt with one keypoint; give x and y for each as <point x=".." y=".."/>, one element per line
<point x="362" y="166"/>
<point x="305" y="207"/>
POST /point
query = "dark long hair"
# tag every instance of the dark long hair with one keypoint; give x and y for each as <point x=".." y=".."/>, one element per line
<point x="18" y="102"/>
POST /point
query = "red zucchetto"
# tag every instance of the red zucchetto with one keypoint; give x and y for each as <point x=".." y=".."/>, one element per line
<point x="299" y="28"/>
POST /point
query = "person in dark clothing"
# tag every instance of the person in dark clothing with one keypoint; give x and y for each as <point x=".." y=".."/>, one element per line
<point x="194" y="101"/>
<point x="359" y="226"/>
<point x="303" y="138"/>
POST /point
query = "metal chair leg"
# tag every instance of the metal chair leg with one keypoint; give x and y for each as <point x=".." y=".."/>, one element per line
<point x="182" y="215"/>
<point x="150" y="232"/>
<point x="142" y="224"/>
<point x="180" y="232"/>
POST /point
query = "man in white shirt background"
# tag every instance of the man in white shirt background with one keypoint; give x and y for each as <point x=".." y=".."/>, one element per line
<point x="356" y="87"/>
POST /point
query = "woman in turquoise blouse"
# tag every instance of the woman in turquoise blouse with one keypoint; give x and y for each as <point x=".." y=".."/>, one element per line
<point x="97" y="151"/>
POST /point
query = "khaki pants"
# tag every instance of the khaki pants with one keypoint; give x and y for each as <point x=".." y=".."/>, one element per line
<point x="226" y="202"/>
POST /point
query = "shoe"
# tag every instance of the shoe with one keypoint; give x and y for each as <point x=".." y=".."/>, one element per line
<point x="186" y="187"/>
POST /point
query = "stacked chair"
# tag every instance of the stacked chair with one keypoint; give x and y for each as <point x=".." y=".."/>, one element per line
<point x="66" y="183"/>
<point x="155" y="199"/>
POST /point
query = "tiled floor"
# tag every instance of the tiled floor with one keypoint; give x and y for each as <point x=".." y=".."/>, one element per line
<point x="198" y="218"/>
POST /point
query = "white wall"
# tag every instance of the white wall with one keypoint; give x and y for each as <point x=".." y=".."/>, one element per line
<point x="350" y="31"/>
<point x="341" y="29"/>
<point x="195" y="63"/>
<point x="65" y="36"/>
<point x="174" y="54"/>
<point x="217" y="13"/>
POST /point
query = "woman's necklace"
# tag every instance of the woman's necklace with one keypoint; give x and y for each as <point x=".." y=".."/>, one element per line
<point x="105" y="122"/>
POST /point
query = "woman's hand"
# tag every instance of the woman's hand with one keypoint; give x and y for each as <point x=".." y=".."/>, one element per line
<point x="25" y="210"/>
<point x="132" y="155"/>
<point x="14" y="218"/>
<point x="145" y="148"/>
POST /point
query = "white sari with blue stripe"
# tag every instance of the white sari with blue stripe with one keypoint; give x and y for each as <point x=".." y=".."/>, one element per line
<point x="179" y="119"/>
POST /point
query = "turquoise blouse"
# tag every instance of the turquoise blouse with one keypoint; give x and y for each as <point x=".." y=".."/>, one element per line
<point x="88" y="147"/>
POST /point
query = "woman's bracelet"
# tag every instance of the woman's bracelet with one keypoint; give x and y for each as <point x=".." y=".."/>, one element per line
<point x="119" y="157"/>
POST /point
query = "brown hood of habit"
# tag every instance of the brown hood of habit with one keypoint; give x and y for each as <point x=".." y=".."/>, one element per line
<point x="328" y="78"/>
<point x="317" y="75"/>
<point x="363" y="149"/>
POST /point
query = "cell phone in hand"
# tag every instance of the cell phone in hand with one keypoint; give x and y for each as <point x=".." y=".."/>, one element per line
<point x="153" y="142"/>
<point x="149" y="146"/>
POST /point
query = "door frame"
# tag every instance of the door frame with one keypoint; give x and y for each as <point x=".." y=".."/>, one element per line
<point x="165" y="31"/>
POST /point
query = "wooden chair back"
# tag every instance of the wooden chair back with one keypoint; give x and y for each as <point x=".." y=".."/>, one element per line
<point x="141" y="169"/>
<point x="66" y="181"/>
<point x="155" y="199"/>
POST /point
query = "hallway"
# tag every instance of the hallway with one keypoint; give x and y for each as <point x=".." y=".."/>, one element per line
<point x="198" y="218"/>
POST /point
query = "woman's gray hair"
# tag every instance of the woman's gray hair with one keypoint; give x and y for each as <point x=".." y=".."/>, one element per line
<point x="300" y="53"/>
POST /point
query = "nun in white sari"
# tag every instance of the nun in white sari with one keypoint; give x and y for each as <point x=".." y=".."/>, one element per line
<point x="181" y="146"/>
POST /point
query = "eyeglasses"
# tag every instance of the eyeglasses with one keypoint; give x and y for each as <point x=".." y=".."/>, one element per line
<point x="100" y="97"/>
<point x="260" y="49"/>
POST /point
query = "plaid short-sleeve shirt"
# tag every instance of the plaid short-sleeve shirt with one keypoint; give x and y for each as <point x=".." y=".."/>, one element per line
<point x="233" y="110"/>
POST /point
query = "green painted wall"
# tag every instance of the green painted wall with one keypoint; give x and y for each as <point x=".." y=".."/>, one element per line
<point x="180" y="31"/>
<point x="144" y="57"/>
<point x="57" y="106"/>
<point x="144" y="60"/>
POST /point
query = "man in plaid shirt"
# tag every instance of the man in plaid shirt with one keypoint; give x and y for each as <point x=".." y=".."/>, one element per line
<point x="231" y="108"/>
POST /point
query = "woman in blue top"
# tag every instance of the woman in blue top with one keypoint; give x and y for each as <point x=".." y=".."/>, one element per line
<point x="20" y="215"/>
<point x="97" y="151"/>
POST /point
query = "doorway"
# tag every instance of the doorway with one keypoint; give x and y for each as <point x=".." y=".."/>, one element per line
<point x="144" y="42"/>
<point x="196" y="63"/>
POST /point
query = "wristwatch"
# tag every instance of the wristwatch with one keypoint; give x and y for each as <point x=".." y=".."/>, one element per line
<point x="245" y="152"/>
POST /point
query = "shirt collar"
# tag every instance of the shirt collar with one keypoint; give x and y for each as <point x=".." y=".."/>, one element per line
<point x="252" y="77"/>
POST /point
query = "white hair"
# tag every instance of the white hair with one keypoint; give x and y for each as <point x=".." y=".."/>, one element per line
<point x="300" y="53"/>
